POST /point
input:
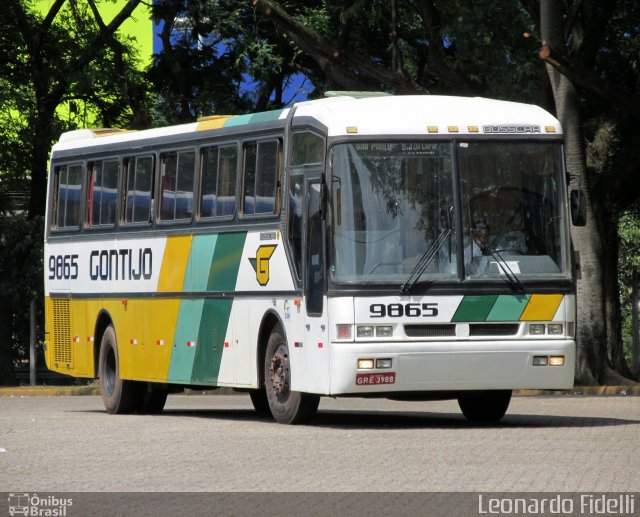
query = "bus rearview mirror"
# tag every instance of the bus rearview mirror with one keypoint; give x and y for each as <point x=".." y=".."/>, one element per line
<point x="578" y="208"/>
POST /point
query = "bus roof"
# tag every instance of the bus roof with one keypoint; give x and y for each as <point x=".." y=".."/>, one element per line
<point x="362" y="115"/>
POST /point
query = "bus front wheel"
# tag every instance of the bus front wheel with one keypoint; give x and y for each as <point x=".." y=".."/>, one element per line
<point x="484" y="407"/>
<point x="118" y="395"/>
<point x="287" y="406"/>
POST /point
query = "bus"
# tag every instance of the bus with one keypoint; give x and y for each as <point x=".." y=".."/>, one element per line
<point x="359" y="245"/>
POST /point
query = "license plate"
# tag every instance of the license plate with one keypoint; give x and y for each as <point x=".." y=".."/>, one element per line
<point x="369" y="379"/>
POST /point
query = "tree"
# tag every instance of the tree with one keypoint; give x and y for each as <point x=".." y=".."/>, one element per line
<point x="68" y="55"/>
<point x="610" y="184"/>
<point x="452" y="48"/>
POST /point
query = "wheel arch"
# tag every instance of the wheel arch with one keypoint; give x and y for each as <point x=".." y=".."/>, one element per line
<point x="102" y="322"/>
<point x="270" y="320"/>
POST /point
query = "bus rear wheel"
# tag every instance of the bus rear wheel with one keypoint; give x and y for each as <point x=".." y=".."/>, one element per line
<point x="485" y="407"/>
<point x="118" y="395"/>
<point x="287" y="406"/>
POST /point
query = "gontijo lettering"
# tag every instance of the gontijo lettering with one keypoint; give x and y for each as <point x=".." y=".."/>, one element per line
<point x="124" y="264"/>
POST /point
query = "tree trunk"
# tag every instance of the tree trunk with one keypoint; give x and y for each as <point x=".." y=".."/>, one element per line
<point x="7" y="377"/>
<point x="598" y="325"/>
<point x="587" y="242"/>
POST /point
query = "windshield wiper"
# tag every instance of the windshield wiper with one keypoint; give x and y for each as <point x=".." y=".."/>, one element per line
<point x="425" y="260"/>
<point x="510" y="277"/>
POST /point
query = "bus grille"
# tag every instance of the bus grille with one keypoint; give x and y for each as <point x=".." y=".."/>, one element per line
<point x="493" y="329"/>
<point x="475" y="330"/>
<point x="446" y="330"/>
<point x="61" y="332"/>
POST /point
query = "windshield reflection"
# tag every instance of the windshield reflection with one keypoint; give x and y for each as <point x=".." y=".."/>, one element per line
<point x="391" y="201"/>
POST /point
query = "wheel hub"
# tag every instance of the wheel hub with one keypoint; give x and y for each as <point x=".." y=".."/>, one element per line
<point x="279" y="371"/>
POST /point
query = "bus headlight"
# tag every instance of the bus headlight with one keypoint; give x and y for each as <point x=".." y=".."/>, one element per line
<point x="536" y="329"/>
<point x="364" y="331"/>
<point x="384" y="331"/>
<point x="555" y="329"/>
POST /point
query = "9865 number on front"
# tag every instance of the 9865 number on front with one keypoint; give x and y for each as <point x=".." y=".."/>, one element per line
<point x="398" y="310"/>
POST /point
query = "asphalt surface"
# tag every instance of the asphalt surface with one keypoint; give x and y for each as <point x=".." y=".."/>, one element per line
<point x="217" y="443"/>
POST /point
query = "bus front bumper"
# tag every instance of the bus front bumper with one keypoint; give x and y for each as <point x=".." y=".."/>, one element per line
<point x="447" y="366"/>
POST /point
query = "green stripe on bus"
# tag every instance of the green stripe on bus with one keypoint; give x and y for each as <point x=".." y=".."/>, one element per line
<point x="265" y="116"/>
<point x="474" y="308"/>
<point x="223" y="274"/>
<point x="199" y="265"/>
<point x="253" y="118"/>
<point x="508" y="307"/>
<point x="183" y="356"/>
<point x="226" y="261"/>
<point x="237" y="120"/>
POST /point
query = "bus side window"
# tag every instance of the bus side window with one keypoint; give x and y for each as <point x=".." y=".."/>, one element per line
<point x="68" y="191"/>
<point x="139" y="194"/>
<point x="307" y="152"/>
<point x="261" y="173"/>
<point x="307" y="149"/>
<point x="218" y="188"/>
<point x="178" y="172"/>
<point x="103" y="193"/>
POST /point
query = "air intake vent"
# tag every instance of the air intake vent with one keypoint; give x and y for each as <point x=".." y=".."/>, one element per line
<point x="430" y="330"/>
<point x="62" y="353"/>
<point x="493" y="329"/>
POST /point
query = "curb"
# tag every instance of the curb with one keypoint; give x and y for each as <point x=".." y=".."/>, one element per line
<point x="49" y="391"/>
<point x="584" y="391"/>
<point x="92" y="390"/>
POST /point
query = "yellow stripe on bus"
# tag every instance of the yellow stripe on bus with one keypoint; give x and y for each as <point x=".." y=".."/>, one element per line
<point x="542" y="307"/>
<point x="174" y="263"/>
<point x="212" y="122"/>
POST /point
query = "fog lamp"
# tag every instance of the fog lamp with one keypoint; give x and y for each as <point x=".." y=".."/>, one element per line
<point x="365" y="364"/>
<point x="383" y="363"/>
<point x="540" y="360"/>
<point x="556" y="360"/>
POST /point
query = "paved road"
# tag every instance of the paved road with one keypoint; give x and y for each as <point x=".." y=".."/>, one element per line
<point x="216" y="443"/>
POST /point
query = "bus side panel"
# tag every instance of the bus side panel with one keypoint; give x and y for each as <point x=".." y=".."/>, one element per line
<point x="145" y="333"/>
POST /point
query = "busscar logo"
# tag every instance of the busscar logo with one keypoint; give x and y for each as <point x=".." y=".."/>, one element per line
<point x="41" y="506"/>
<point x="260" y="263"/>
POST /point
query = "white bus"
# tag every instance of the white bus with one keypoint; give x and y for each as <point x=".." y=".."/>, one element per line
<point x="407" y="247"/>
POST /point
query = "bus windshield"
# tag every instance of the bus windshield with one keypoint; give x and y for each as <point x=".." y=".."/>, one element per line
<point x="393" y="205"/>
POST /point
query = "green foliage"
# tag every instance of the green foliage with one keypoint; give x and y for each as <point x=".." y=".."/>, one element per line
<point x="629" y="262"/>
<point x="21" y="281"/>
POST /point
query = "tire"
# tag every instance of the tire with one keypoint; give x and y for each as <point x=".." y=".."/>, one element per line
<point x="152" y="400"/>
<point x="119" y="396"/>
<point x="287" y="407"/>
<point x="260" y="402"/>
<point x="485" y="407"/>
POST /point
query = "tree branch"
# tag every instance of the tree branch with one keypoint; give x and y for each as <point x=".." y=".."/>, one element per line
<point x="347" y="70"/>
<point x="590" y="81"/>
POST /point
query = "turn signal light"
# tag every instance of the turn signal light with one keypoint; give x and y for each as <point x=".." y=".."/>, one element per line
<point x="343" y="331"/>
